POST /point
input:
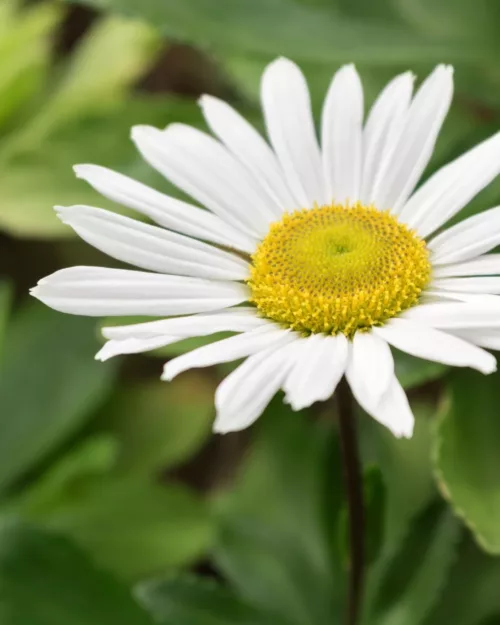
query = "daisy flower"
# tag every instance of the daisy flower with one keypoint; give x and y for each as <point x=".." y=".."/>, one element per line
<point x="318" y="259"/>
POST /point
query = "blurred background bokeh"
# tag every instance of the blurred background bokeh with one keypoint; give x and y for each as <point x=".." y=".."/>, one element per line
<point x="118" y="506"/>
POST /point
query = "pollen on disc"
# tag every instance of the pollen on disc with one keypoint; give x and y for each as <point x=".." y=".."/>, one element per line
<point x="338" y="268"/>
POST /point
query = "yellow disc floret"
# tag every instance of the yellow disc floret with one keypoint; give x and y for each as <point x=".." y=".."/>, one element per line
<point x="338" y="269"/>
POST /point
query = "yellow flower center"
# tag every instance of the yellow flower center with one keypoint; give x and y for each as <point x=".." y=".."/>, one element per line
<point x="338" y="269"/>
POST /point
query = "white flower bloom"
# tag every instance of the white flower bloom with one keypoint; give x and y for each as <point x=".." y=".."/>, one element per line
<point x="331" y="247"/>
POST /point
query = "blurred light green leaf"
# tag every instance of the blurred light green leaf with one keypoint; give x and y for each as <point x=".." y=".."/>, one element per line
<point x="198" y="601"/>
<point x="467" y="454"/>
<point x="279" y="525"/>
<point x="136" y="528"/>
<point x="46" y="580"/>
<point x="97" y="76"/>
<point x="27" y="209"/>
<point x="420" y="570"/>
<point x="471" y="594"/>
<point x="24" y="52"/>
<point x="284" y="27"/>
<point x="84" y="115"/>
<point x="49" y="386"/>
<point x="159" y="425"/>
<point x="8" y="10"/>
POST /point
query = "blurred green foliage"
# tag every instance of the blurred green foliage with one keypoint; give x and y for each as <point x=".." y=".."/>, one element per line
<point x="111" y="489"/>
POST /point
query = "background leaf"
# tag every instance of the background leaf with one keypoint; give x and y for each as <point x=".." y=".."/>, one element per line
<point x="259" y="27"/>
<point x="475" y="576"/>
<point x="135" y="528"/>
<point x="27" y="210"/>
<point x="24" y="53"/>
<point x="467" y="458"/>
<point x="111" y="57"/>
<point x="46" y="580"/>
<point x="159" y="425"/>
<point x="49" y="385"/>
<point x="430" y="551"/>
<point x="194" y="601"/>
<point x="279" y="527"/>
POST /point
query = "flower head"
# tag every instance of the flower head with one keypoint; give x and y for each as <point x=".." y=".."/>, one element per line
<point x="331" y="250"/>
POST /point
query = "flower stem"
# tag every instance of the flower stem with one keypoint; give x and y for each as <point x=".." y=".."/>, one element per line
<point x="354" y="492"/>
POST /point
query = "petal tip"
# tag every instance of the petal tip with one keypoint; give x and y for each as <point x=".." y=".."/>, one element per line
<point x="82" y="169"/>
<point x="491" y="367"/>
<point x="141" y="131"/>
<point x="207" y="99"/>
<point x="168" y="374"/>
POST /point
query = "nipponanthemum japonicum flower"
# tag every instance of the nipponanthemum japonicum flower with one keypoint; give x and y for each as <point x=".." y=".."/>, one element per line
<point x="331" y="249"/>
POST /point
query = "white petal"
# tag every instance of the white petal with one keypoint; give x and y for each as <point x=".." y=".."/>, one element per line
<point x="320" y="362"/>
<point x="372" y="363"/>
<point x="455" y="315"/>
<point x="96" y="291"/>
<point x="485" y="284"/>
<point x="290" y="127"/>
<point x="229" y="320"/>
<point x="431" y="344"/>
<point x="399" y="173"/>
<point x="452" y="187"/>
<point x="243" y="396"/>
<point x="165" y="210"/>
<point x="392" y="410"/>
<point x="485" y="337"/>
<point x="480" y="266"/>
<point x="383" y="129"/>
<point x="150" y="247"/>
<point x="206" y="170"/>
<point x="229" y="349"/>
<point x="471" y="237"/>
<point x="341" y="135"/>
<point x="250" y="148"/>
<point x="471" y="298"/>
<point x="133" y="346"/>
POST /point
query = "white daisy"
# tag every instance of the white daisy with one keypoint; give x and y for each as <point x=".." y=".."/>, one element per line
<point x="332" y="249"/>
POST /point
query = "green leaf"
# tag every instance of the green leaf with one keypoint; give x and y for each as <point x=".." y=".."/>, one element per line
<point x="46" y="580"/>
<point x="471" y="594"/>
<point x="406" y="469"/>
<point x="25" y="48"/>
<point x="98" y="75"/>
<point x="449" y="19"/>
<point x="467" y="458"/>
<point x="130" y="525"/>
<point x="198" y="601"/>
<point x="412" y="371"/>
<point x="311" y="33"/>
<point x="426" y="559"/>
<point x="68" y="478"/>
<point x="279" y="526"/>
<point x="133" y="527"/>
<point x="27" y="210"/>
<point x="159" y="425"/>
<point x="49" y="386"/>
